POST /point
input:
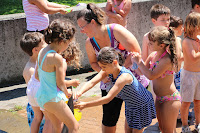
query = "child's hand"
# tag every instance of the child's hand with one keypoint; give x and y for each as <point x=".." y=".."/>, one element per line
<point x="67" y="93"/>
<point x="136" y="57"/>
<point x="63" y="11"/>
<point x="80" y="105"/>
<point x="75" y="82"/>
<point x="76" y="95"/>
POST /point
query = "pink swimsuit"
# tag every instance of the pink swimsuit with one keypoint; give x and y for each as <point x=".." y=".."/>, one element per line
<point x="153" y="65"/>
<point x="120" y="6"/>
<point x="161" y="99"/>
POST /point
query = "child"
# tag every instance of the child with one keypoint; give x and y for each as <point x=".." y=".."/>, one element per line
<point x="190" y="75"/>
<point x="31" y="43"/>
<point x="195" y="6"/>
<point x="140" y="109"/>
<point x="160" y="16"/>
<point x="159" y="68"/>
<point x="117" y="11"/>
<point x="53" y="93"/>
<point x="176" y="24"/>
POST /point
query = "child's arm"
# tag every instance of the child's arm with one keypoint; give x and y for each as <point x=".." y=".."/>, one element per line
<point x="55" y="5"/>
<point x="118" y="86"/>
<point x="145" y="47"/>
<point x="73" y="82"/>
<point x="190" y="51"/>
<point x="164" y="65"/>
<point x="87" y="86"/>
<point x="27" y="73"/>
<point x="43" y="6"/>
<point x="179" y="50"/>
<point x="60" y="74"/>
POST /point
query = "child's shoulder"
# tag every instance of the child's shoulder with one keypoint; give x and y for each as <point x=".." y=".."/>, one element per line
<point x="186" y="41"/>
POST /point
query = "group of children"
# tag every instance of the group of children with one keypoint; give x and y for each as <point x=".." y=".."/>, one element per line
<point x="163" y="52"/>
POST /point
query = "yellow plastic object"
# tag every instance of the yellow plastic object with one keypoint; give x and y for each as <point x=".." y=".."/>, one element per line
<point x="66" y="102"/>
<point x="77" y="114"/>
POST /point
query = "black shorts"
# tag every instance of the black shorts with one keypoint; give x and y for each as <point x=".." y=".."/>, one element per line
<point x="111" y="111"/>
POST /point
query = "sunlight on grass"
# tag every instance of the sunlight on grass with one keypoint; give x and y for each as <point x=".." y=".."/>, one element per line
<point x="15" y="6"/>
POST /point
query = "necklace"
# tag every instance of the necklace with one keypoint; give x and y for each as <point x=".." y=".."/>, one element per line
<point x="196" y="40"/>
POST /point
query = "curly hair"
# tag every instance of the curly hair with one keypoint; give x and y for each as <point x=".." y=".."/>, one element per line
<point x="59" y="29"/>
<point x="164" y="35"/>
<point x="73" y="55"/>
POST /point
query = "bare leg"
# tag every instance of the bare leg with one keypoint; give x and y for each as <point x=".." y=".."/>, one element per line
<point x="106" y="129"/>
<point x="61" y="111"/>
<point x="48" y="126"/>
<point x="168" y="115"/>
<point x="38" y="115"/>
<point x="197" y="111"/>
<point x="184" y="113"/>
<point x="158" y="113"/>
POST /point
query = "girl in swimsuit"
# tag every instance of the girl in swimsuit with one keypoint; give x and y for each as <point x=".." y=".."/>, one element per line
<point x="117" y="11"/>
<point x="139" y="103"/>
<point x="52" y="93"/>
<point x="159" y="68"/>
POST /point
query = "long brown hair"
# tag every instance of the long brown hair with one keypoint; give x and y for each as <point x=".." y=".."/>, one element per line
<point x="164" y="35"/>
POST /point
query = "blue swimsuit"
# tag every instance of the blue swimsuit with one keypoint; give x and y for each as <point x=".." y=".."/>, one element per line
<point x="139" y="103"/>
<point x="48" y="91"/>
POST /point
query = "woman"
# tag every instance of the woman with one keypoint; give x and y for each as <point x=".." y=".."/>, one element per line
<point x="91" y="22"/>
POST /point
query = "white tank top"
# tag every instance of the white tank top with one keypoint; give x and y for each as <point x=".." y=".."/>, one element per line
<point x="36" y="19"/>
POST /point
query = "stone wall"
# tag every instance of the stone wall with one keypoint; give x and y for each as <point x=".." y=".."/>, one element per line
<point x="13" y="26"/>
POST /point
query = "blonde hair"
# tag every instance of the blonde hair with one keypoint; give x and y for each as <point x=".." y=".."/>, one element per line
<point x="192" y="21"/>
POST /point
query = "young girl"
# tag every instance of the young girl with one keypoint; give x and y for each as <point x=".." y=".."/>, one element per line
<point x="51" y="73"/>
<point x="117" y="11"/>
<point x="138" y="100"/>
<point x="159" y="68"/>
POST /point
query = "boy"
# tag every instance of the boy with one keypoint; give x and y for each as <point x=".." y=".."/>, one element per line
<point x="32" y="43"/>
<point x="195" y="6"/>
<point x="190" y="75"/>
<point x="160" y="16"/>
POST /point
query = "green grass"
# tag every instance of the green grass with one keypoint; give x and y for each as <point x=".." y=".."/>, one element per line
<point x="16" y="108"/>
<point x="15" y="6"/>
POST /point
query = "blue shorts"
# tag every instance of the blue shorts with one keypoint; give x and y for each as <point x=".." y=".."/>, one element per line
<point x="177" y="80"/>
<point x="30" y="116"/>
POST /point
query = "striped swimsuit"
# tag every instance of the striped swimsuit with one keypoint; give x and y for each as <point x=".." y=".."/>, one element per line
<point x="36" y="19"/>
<point x="139" y="103"/>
